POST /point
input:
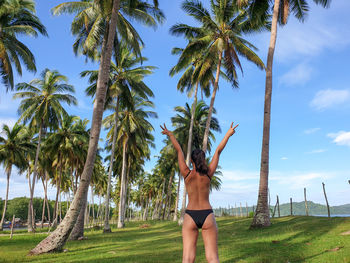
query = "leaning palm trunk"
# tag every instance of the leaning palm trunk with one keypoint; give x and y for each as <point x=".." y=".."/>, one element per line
<point x="31" y="219"/>
<point x="6" y="198"/>
<point x="211" y="107"/>
<point x="177" y="198"/>
<point x="58" y="238"/>
<point x="121" y="213"/>
<point x="107" y="228"/>
<point x="262" y="214"/>
<point x="188" y="155"/>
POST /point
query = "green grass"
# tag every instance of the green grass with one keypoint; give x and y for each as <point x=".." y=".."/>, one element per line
<point x="289" y="239"/>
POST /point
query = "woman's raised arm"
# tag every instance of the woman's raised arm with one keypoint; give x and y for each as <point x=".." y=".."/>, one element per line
<point x="184" y="170"/>
<point x="214" y="162"/>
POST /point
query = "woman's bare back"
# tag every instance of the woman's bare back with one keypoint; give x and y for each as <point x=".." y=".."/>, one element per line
<point x="197" y="186"/>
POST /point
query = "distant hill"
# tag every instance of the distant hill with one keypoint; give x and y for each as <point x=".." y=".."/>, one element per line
<point x="314" y="209"/>
<point x="298" y="209"/>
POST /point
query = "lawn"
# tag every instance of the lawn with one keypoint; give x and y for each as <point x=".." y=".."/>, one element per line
<point x="289" y="239"/>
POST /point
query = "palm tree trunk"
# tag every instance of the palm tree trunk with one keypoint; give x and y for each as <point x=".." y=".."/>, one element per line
<point x="78" y="229"/>
<point x="167" y="202"/>
<point x="30" y="210"/>
<point x="6" y="198"/>
<point x="177" y="198"/>
<point x="145" y="211"/>
<point x="155" y="210"/>
<point x="58" y="185"/>
<point x="72" y="179"/>
<point x="56" y="240"/>
<point x="44" y="202"/>
<point x="188" y="155"/>
<point x="31" y="224"/>
<point x="60" y="205"/>
<point x="47" y="202"/>
<point x="93" y="205"/>
<point x="145" y="214"/>
<point x="122" y="188"/>
<point x="211" y="107"/>
<point x="161" y="200"/>
<point x="107" y="228"/>
<point x="126" y="205"/>
<point x="262" y="215"/>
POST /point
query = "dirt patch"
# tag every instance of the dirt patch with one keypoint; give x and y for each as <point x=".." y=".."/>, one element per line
<point x="145" y="226"/>
<point x="334" y="249"/>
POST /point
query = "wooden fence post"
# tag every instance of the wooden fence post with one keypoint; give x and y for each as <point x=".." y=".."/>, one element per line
<point x="278" y="207"/>
<point x="240" y="212"/>
<point x="291" y="206"/>
<point x="325" y="196"/>
<point x="274" y="210"/>
<point x="306" y="208"/>
<point x="13" y="222"/>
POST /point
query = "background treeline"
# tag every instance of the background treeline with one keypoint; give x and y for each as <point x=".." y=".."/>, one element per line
<point x="19" y="207"/>
<point x="298" y="209"/>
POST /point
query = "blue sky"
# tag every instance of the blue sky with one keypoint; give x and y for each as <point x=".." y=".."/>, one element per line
<point x="310" y="131"/>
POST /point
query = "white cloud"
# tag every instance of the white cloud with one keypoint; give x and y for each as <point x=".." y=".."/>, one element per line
<point x="239" y="175"/>
<point x="309" y="39"/>
<point x="9" y="121"/>
<point x="312" y="130"/>
<point x="340" y="138"/>
<point x="284" y="158"/>
<point x="329" y="98"/>
<point x="298" y="75"/>
<point x="298" y="180"/>
<point x="317" y="151"/>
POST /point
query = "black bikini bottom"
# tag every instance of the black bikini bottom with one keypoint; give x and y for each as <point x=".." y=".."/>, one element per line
<point x="199" y="216"/>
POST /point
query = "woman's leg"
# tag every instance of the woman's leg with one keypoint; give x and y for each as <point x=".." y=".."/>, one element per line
<point x="189" y="239"/>
<point x="210" y="238"/>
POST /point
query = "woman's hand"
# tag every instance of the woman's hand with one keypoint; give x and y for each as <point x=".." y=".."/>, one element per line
<point x="231" y="131"/>
<point x="165" y="130"/>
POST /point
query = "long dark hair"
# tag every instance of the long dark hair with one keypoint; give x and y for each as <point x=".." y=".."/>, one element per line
<point x="198" y="157"/>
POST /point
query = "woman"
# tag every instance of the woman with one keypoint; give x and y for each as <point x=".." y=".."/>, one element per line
<point x="199" y="213"/>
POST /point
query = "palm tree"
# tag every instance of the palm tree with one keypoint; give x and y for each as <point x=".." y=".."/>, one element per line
<point x="41" y="106"/>
<point x="124" y="77"/>
<point x="220" y="39"/>
<point x="17" y="17"/>
<point x="133" y="130"/>
<point x="13" y="146"/>
<point x="58" y="238"/>
<point x="281" y="11"/>
<point x="91" y="19"/>
<point x="64" y="144"/>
